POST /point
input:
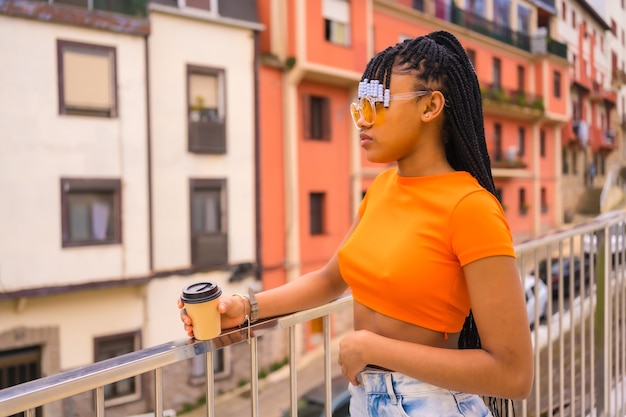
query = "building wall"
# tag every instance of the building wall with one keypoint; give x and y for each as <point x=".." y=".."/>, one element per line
<point x="175" y="42"/>
<point x="323" y="167"/>
<point x="272" y="157"/>
<point x="39" y="147"/>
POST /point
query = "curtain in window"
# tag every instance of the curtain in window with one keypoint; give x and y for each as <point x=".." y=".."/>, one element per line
<point x="100" y="213"/>
<point x="87" y="79"/>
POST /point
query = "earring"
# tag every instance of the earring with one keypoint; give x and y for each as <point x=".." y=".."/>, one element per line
<point x="426" y="115"/>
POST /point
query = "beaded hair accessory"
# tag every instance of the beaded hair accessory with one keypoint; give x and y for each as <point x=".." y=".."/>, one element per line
<point x="374" y="90"/>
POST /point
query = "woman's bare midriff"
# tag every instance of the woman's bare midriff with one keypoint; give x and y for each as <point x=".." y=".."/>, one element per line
<point x="367" y="319"/>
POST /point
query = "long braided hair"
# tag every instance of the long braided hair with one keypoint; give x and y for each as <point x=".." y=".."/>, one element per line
<point x="441" y="62"/>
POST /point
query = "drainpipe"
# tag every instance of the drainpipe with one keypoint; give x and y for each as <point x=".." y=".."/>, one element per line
<point x="149" y="158"/>
<point x="257" y="161"/>
<point x="292" y="79"/>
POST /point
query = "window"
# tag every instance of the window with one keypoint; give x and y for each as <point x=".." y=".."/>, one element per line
<point x="557" y="84"/>
<point x="521" y="79"/>
<point x="564" y="10"/>
<point x="523" y="205"/>
<point x="574" y="162"/>
<point x="502" y="14"/>
<point x="87" y="79"/>
<point x="521" y="141"/>
<point x="317" y="202"/>
<point x="477" y="7"/>
<point x="542" y="143"/>
<point x="497" y="138"/>
<point x="336" y="21"/>
<point x="497" y="74"/>
<point x="200" y="4"/>
<point x="316" y="118"/>
<point x="523" y="19"/>
<point x="564" y="161"/>
<point x="418" y="5"/>
<point x="574" y="19"/>
<point x="209" y="240"/>
<point x="471" y="54"/>
<point x="91" y="212"/>
<point x="128" y="389"/>
<point x="221" y="368"/>
<point x="18" y="366"/>
<point x="206" y="110"/>
<point x="544" y="200"/>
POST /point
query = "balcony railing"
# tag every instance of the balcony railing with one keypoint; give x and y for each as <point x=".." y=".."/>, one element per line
<point x="489" y="28"/>
<point x="511" y="96"/>
<point x="579" y="336"/>
<point x="557" y="48"/>
<point x="135" y="8"/>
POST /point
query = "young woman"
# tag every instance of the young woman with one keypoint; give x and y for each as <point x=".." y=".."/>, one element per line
<point x="429" y="259"/>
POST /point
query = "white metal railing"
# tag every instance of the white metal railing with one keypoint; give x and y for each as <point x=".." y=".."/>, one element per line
<point x="580" y="344"/>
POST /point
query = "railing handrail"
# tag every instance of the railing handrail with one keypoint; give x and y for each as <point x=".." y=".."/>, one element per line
<point x="29" y="395"/>
<point x="55" y="387"/>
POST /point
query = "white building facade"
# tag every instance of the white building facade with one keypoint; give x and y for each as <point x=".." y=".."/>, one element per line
<point x="127" y="162"/>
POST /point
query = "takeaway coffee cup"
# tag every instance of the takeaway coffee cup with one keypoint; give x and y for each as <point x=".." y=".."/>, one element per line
<point x="201" y="301"/>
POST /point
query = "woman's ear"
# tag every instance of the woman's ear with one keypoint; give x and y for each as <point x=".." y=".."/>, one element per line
<point x="434" y="106"/>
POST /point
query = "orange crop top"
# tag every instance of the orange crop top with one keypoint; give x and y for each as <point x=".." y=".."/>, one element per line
<point x="405" y="258"/>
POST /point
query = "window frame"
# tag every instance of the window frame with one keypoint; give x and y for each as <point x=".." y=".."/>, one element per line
<point x="203" y="136"/>
<point x="497" y="142"/>
<point x="331" y="25"/>
<point x="97" y="348"/>
<point x="62" y="45"/>
<point x="496" y="68"/>
<point x="317" y="213"/>
<point x="523" y="204"/>
<point x="521" y="141"/>
<point x="91" y="185"/>
<point x="556" y="78"/>
<point x="197" y="371"/>
<point x="319" y="129"/>
<point x="221" y="258"/>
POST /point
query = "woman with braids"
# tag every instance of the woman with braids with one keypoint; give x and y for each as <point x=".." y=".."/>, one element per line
<point x="439" y="313"/>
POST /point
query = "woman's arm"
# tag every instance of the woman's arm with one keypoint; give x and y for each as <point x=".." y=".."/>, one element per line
<point x="310" y="290"/>
<point x="502" y="368"/>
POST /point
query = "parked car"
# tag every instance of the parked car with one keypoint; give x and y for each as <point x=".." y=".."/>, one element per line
<point x="571" y="267"/>
<point x="616" y="239"/>
<point x="311" y="403"/>
<point x="533" y="298"/>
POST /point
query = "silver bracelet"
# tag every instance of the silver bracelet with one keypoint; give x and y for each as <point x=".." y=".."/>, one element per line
<point x="254" y="305"/>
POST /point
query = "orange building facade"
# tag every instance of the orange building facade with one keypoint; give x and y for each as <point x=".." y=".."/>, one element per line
<point x="313" y="172"/>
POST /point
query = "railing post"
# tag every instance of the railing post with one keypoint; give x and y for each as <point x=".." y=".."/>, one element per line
<point x="601" y="330"/>
<point x="293" y="372"/>
<point x="254" y="377"/>
<point x="327" y="364"/>
<point x="210" y="384"/>
<point x="158" y="392"/>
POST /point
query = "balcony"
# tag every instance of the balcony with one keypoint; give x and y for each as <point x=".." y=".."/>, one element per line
<point x="507" y="165"/>
<point x="511" y="103"/>
<point x="578" y="340"/>
<point x="599" y="94"/>
<point x="135" y="8"/>
<point x="618" y="78"/>
<point x="118" y="16"/>
<point x="489" y="28"/>
<point x="608" y="141"/>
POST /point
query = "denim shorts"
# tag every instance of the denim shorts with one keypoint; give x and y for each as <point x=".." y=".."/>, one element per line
<point x="392" y="394"/>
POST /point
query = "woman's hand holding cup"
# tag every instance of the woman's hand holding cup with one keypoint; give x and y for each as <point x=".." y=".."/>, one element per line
<point x="232" y="312"/>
